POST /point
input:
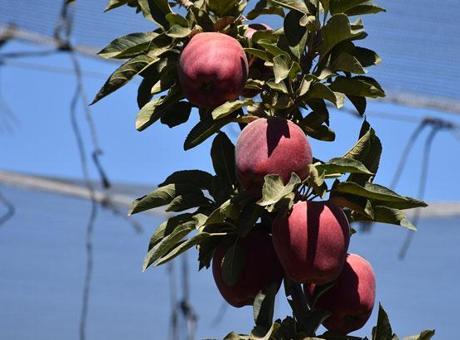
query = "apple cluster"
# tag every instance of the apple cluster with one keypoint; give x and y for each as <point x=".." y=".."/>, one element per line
<point x="309" y="244"/>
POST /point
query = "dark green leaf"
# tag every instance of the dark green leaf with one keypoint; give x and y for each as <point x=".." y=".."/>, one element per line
<point x="360" y="103"/>
<point x="155" y="109"/>
<point x="293" y="31"/>
<point x="187" y="200"/>
<point x="177" y="19"/>
<point x="156" y="10"/>
<point x="203" y="130"/>
<point x="228" y="209"/>
<point x="233" y="264"/>
<point x="382" y="331"/>
<point x="366" y="57"/>
<point x="392" y="216"/>
<point x="144" y="94"/>
<point x="114" y="4"/>
<point x="263" y="310"/>
<point x="347" y="63"/>
<point x="258" y="53"/>
<point x="337" y="30"/>
<point x="222" y="7"/>
<point x="223" y="159"/>
<point x="357" y="86"/>
<point x="321" y="91"/>
<point x="178" y="113"/>
<point x="124" y="74"/>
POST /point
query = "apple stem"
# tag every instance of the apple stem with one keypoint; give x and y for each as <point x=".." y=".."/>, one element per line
<point x="299" y="304"/>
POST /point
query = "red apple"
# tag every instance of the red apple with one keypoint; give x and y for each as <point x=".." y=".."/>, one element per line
<point x="271" y="146"/>
<point x="212" y="69"/>
<point x="312" y="241"/>
<point x="261" y="268"/>
<point x="351" y="300"/>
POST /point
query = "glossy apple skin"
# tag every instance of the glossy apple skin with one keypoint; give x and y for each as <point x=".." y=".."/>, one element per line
<point x="271" y="146"/>
<point x="212" y="69"/>
<point x="312" y="241"/>
<point x="351" y="300"/>
<point x="261" y="268"/>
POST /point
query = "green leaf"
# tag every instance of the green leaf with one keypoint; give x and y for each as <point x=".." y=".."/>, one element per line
<point x="177" y="19"/>
<point x="155" y="109"/>
<point x="156" y="10"/>
<point x="364" y="9"/>
<point x="263" y="7"/>
<point x="425" y="335"/>
<point x="263" y="310"/>
<point x="281" y="67"/>
<point x="182" y="247"/>
<point x="347" y="63"/>
<point x="382" y="331"/>
<point x="274" y="189"/>
<point x="377" y="193"/>
<point x="280" y="87"/>
<point x="337" y="30"/>
<point x="223" y="159"/>
<point x="367" y="150"/>
<point x="229" y="107"/>
<point x="178" y="31"/>
<point x="167" y="244"/>
<point x="392" y="216"/>
<point x="228" y="209"/>
<point x="366" y="57"/>
<point x="321" y="91"/>
<point x="188" y="200"/>
<point x="178" y="113"/>
<point x="124" y="74"/>
<point x="203" y="130"/>
<point x="222" y="7"/>
<point x="258" y="53"/>
<point x="343" y="165"/>
<point x="297" y="5"/>
<point x="128" y="46"/>
<point x="358" y="86"/>
<point x="293" y="31"/>
<point x="168" y="226"/>
<point x="144" y="94"/>
<point x="166" y="80"/>
<point x="163" y="196"/>
<point x="233" y="264"/>
<point x="360" y="103"/>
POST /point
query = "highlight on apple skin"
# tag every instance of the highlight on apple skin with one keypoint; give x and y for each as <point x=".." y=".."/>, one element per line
<point x="213" y="69"/>
<point x="312" y="241"/>
<point x="261" y="268"/>
<point x="271" y="146"/>
<point x="351" y="300"/>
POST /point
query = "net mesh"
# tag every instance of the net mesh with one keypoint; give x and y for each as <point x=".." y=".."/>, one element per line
<point x="419" y="40"/>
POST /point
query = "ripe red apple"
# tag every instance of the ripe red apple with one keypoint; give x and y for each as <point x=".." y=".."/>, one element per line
<point x="351" y="300"/>
<point x="271" y="146"/>
<point x="261" y="268"/>
<point x="312" y="241"/>
<point x="212" y="69"/>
